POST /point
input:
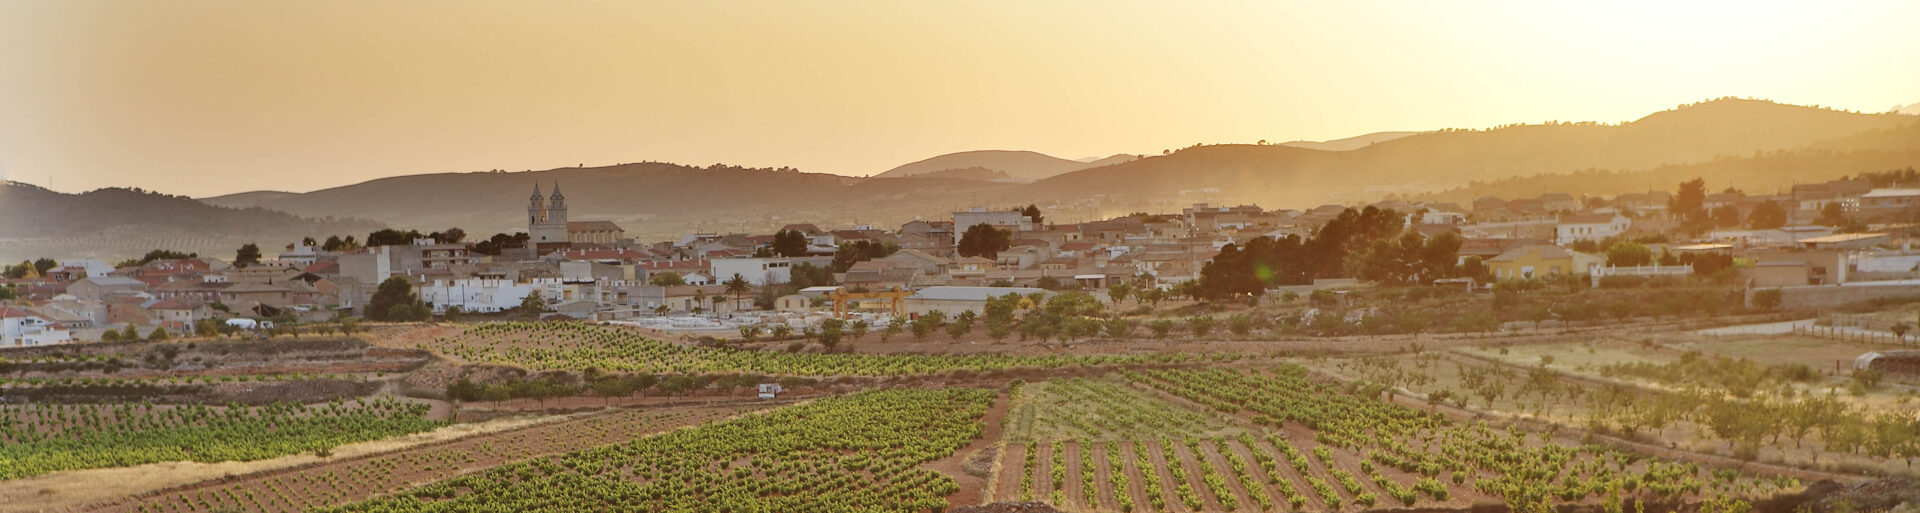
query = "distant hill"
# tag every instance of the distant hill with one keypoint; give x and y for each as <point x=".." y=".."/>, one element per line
<point x="971" y="173"/>
<point x="1024" y="166"/>
<point x="1350" y="143"/>
<point x="119" y="223"/>
<point x="254" y="198"/>
<point x="1764" y="142"/>
<point x="1766" y="173"/>
<point x="1431" y="161"/>
<point x="648" y="199"/>
<point x="1913" y="109"/>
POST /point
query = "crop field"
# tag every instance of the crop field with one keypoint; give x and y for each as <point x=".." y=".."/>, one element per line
<point x="1308" y="446"/>
<point x="363" y="478"/>
<point x="40" y="438"/>
<point x="859" y="452"/>
<point x="1769" y="411"/>
<point x="575" y="346"/>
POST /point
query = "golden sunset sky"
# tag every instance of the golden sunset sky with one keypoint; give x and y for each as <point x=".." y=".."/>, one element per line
<point x="213" y="97"/>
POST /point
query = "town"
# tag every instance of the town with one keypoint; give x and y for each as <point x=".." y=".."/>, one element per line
<point x="1817" y="245"/>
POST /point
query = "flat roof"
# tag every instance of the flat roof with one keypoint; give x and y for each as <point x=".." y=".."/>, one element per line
<point x="1842" y="237"/>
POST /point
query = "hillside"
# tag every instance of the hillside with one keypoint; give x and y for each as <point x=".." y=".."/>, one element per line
<point x="647" y="199"/>
<point x="1283" y="175"/>
<point x="1350" y="143"/>
<point x="1025" y="166"/>
<point x="1766" y="173"/>
<point x="118" y="223"/>
<point x="658" y="200"/>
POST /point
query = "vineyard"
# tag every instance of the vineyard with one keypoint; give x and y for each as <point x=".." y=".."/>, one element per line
<point x="40" y="438"/>
<point x="573" y="346"/>
<point x="860" y="452"/>
<point x="1364" y="450"/>
<point x="362" y="478"/>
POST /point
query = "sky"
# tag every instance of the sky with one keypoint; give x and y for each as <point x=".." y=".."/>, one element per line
<point x="212" y="97"/>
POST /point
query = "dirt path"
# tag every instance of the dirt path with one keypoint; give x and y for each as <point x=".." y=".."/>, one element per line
<point x="973" y="485"/>
<point x="1136" y="478"/>
<point x="1210" y="455"/>
<point x="340" y="480"/>
<point x="1074" y="482"/>
<point x="1190" y="461"/>
<point x="1102" y="478"/>
<point x="1013" y="460"/>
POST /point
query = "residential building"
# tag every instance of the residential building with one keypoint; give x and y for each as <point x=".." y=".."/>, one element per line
<point x="1594" y="227"/>
<point x="1540" y="261"/>
<point x="20" y="328"/>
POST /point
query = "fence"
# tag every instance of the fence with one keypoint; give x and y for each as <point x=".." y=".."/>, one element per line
<point x="1854" y="334"/>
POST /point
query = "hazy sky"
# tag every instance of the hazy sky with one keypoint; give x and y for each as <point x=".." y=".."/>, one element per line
<point x="204" y="97"/>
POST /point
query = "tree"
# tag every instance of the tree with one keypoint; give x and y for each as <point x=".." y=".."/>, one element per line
<point x="893" y="328"/>
<point x="858" y="329"/>
<point x="790" y="243"/>
<point x="1900" y="329"/>
<point x="667" y="279"/>
<point x="851" y="253"/>
<point x="43" y="265"/>
<point x="1766" y="216"/>
<point x="983" y="240"/>
<point x="1033" y="212"/>
<point x="129" y="334"/>
<point x="1833" y="215"/>
<point x="248" y="254"/>
<point x="1200" y="325"/>
<point x="1726" y="216"/>
<point x="1767" y="299"/>
<point x="533" y="304"/>
<point x="1690" y="206"/>
<point x="738" y="287"/>
<point x="333" y="243"/>
<point x="1160" y="327"/>
<point x="392" y="237"/>
<point x="830" y="333"/>
<point x="159" y="333"/>
<point x="449" y="236"/>
<point x="394" y="301"/>
<point x="1119" y="292"/>
<point x="1628" y="254"/>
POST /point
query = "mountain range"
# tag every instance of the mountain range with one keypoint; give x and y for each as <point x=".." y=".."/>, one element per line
<point x="1755" y="144"/>
<point x="116" y="223"/>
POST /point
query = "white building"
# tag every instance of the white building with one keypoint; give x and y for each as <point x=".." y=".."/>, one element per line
<point x="1590" y="227"/>
<point x="20" y="328"/>
<point x="757" y="271"/>
<point x="1003" y="219"/>
<point x="475" y="294"/>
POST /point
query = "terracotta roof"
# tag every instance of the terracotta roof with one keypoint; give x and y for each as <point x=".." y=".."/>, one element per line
<point x="592" y="226"/>
<point x="1547" y="252"/>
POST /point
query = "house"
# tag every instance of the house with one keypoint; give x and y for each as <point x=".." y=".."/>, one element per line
<point x="1010" y="220"/>
<point x="1592" y="227"/>
<point x="794" y="303"/>
<point x="757" y="271"/>
<point x="95" y="289"/>
<point x="474" y="294"/>
<point x="879" y="275"/>
<point x="179" y="315"/>
<point x="1559" y="202"/>
<point x="20" y="328"/>
<point x="1881" y="203"/>
<point x="954" y="300"/>
<point x="1541" y="260"/>
<point x="1786" y="268"/>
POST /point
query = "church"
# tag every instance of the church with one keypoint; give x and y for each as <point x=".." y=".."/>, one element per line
<point x="549" y="230"/>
